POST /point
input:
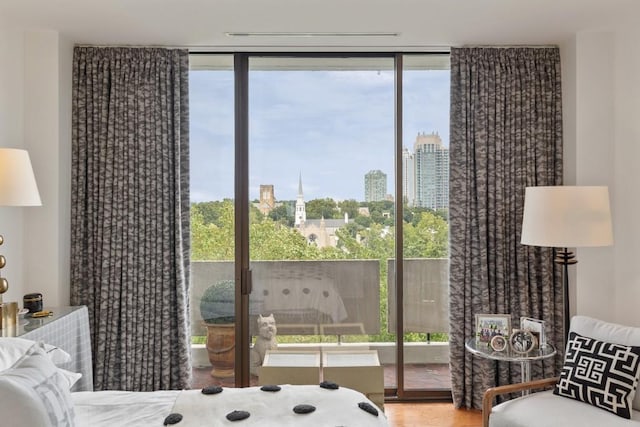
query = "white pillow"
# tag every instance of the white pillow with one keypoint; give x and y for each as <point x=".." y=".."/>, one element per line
<point x="35" y="393"/>
<point x="70" y="377"/>
<point x="12" y="349"/>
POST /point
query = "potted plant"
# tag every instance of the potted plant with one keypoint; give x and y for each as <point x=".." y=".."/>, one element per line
<point x="217" y="308"/>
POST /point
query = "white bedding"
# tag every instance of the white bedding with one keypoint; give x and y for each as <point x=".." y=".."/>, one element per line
<point x="122" y="408"/>
<point x="139" y="409"/>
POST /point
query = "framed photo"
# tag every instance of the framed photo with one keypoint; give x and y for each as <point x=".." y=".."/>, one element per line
<point x="522" y="342"/>
<point x="536" y="327"/>
<point x="498" y="343"/>
<point x="490" y="325"/>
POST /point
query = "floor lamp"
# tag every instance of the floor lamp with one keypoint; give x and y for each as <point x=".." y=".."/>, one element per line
<point x="566" y="217"/>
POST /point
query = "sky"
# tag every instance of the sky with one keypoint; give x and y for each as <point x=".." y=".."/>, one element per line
<point x="330" y="127"/>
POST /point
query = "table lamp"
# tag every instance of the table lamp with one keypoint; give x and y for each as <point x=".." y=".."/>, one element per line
<point x="17" y="188"/>
<point x="566" y="217"/>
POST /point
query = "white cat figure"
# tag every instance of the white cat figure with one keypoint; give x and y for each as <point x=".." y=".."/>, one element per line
<point x="266" y="340"/>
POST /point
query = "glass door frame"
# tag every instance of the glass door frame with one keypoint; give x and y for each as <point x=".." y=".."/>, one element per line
<point x="242" y="202"/>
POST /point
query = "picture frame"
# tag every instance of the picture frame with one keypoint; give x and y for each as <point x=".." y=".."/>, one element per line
<point x="536" y="327"/>
<point x="490" y="325"/>
<point x="522" y="341"/>
<point x="499" y="343"/>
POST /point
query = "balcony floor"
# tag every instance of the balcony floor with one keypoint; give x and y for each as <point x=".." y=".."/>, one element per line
<point x="417" y="377"/>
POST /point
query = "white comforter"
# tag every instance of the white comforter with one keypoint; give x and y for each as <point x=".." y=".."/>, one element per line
<point x="333" y="408"/>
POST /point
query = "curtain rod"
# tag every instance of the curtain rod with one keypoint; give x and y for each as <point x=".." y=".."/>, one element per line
<point x="278" y="47"/>
<point x="342" y="47"/>
<point x="510" y="46"/>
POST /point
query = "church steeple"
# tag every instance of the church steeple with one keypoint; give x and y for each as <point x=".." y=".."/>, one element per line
<point x="301" y="215"/>
<point x="300" y="195"/>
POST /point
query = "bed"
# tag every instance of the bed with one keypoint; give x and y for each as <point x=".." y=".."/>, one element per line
<point x="36" y="392"/>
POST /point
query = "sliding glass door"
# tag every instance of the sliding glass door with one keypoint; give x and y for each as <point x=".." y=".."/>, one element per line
<point x="213" y="243"/>
<point x="326" y="169"/>
<point x="321" y="152"/>
<point x="425" y="247"/>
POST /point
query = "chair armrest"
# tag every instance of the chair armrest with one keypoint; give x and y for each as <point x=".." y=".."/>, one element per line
<point x="491" y="393"/>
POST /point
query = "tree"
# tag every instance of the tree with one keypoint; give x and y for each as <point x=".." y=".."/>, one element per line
<point x="322" y="208"/>
<point x="210" y="211"/>
<point x="363" y="221"/>
<point x="269" y="240"/>
<point x="281" y="214"/>
<point x="428" y="238"/>
<point x="211" y="241"/>
<point x="353" y="228"/>
<point x="382" y="212"/>
<point x="350" y="207"/>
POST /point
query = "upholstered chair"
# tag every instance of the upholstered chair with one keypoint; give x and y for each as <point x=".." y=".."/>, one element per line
<point x="596" y="388"/>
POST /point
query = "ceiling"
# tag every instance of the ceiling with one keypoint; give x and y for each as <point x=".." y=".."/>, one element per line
<point x="419" y="23"/>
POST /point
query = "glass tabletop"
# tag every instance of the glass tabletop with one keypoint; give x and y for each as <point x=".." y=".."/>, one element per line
<point x="484" y="350"/>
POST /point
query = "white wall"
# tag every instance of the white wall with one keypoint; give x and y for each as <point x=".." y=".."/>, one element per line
<point x="47" y="116"/>
<point x="569" y="127"/>
<point x="594" y="162"/>
<point x="35" y="112"/>
<point x="626" y="174"/>
<point x="607" y="114"/>
<point x="11" y="135"/>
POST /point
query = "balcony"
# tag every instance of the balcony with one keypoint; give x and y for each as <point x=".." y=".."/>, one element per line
<point x="343" y="304"/>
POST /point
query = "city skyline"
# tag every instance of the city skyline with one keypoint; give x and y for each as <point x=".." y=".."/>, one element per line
<point x="332" y="142"/>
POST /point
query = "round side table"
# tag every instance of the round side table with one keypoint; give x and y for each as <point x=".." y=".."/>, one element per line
<point x="508" y="355"/>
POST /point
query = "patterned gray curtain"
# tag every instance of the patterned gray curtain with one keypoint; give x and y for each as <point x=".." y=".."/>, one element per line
<point x="506" y="134"/>
<point x="130" y="213"/>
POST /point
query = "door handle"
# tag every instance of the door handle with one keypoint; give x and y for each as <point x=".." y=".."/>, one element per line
<point x="247" y="283"/>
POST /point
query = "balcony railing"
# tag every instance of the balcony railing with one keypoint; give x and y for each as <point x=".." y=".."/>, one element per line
<point x="337" y="297"/>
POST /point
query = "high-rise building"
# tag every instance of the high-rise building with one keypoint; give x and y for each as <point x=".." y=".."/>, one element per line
<point x="431" y="172"/>
<point x="375" y="186"/>
<point x="408" y="178"/>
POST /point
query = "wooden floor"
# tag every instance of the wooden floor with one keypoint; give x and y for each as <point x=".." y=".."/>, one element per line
<point x="430" y="415"/>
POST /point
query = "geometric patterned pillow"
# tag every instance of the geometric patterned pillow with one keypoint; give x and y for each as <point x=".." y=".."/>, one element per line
<point x="602" y="374"/>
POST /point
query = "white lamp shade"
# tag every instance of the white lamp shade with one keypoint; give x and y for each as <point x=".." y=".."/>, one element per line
<point x="567" y="217"/>
<point x="17" y="183"/>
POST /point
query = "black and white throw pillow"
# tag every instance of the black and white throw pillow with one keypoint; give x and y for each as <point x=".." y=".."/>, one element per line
<point x="600" y="373"/>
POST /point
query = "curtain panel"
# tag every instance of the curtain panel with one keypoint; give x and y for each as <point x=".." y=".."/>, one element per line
<point x="506" y="134"/>
<point x="130" y="213"/>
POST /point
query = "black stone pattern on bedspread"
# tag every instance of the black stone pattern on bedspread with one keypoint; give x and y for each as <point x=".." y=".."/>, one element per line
<point x="212" y="389"/>
<point x="238" y="415"/>
<point x="304" y="409"/>
<point x="172" y="419"/>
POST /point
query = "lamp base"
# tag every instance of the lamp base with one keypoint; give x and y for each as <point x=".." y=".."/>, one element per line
<point x="8" y="314"/>
<point x="565" y="258"/>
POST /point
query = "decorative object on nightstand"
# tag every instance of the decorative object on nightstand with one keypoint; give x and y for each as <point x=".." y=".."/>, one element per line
<point x="566" y="217"/>
<point x="522" y="341"/>
<point x="536" y="327"/>
<point x="491" y="325"/>
<point x="17" y="188"/>
<point x="498" y="343"/>
<point x="33" y="302"/>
